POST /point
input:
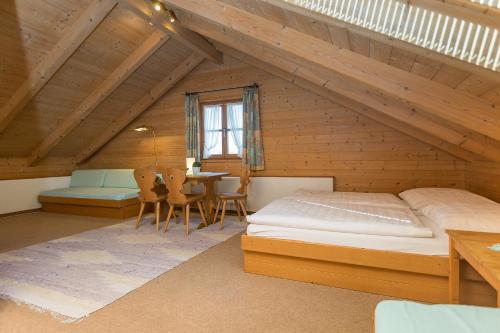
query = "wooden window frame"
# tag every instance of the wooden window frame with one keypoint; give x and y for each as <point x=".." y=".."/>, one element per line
<point x="224" y="155"/>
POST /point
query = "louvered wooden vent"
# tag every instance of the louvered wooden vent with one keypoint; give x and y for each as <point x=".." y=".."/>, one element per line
<point x="467" y="41"/>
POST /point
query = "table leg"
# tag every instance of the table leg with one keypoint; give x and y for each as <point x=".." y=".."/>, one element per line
<point x="209" y="201"/>
<point x="498" y="298"/>
<point x="454" y="278"/>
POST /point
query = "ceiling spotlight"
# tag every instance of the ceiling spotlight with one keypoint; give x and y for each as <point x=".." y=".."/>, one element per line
<point x="171" y="16"/>
<point x="157" y="5"/>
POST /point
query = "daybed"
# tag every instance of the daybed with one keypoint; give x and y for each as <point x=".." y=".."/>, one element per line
<point x="104" y="193"/>
<point x="279" y="243"/>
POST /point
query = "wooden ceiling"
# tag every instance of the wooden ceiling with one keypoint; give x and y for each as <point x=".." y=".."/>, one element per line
<point x="88" y="67"/>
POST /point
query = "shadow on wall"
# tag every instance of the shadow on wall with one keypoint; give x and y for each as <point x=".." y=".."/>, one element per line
<point x="14" y="72"/>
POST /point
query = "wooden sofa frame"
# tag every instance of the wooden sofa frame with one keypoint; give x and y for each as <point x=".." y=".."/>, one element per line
<point x="402" y="275"/>
<point x="119" y="209"/>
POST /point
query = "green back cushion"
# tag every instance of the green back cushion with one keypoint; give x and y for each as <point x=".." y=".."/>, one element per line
<point x="122" y="178"/>
<point x="404" y="316"/>
<point x="86" y="178"/>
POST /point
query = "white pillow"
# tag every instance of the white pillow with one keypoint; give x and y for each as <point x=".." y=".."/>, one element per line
<point x="470" y="217"/>
<point x="419" y="198"/>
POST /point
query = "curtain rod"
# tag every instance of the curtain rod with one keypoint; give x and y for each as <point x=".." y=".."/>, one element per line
<point x="221" y="89"/>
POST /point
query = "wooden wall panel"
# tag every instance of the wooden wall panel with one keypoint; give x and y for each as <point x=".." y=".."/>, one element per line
<point x="483" y="177"/>
<point x="159" y="65"/>
<point x="113" y="40"/>
<point x="304" y="135"/>
<point x="17" y="168"/>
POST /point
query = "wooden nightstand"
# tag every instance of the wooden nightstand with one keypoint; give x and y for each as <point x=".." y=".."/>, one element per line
<point x="474" y="248"/>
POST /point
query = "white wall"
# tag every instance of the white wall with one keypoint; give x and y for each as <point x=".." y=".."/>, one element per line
<point x="263" y="190"/>
<point x="22" y="194"/>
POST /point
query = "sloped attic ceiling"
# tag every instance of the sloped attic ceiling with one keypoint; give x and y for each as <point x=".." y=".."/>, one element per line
<point x="35" y="28"/>
<point x="254" y="28"/>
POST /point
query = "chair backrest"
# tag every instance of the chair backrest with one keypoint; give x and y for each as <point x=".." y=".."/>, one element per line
<point x="145" y="178"/>
<point x="174" y="180"/>
<point x="244" y="180"/>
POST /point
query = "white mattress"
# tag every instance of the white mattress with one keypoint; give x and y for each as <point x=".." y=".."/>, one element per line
<point x="436" y="245"/>
<point x="349" y="212"/>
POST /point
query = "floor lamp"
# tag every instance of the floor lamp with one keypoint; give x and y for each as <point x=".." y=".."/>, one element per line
<point x="147" y="128"/>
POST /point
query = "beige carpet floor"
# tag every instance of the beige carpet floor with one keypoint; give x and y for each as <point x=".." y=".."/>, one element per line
<point x="209" y="293"/>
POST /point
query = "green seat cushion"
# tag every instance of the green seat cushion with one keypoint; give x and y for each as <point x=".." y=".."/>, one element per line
<point x="120" y="178"/>
<point x="403" y="316"/>
<point x="87" y="178"/>
<point x="104" y="193"/>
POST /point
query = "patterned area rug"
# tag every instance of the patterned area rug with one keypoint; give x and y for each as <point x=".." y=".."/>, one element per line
<point x="77" y="275"/>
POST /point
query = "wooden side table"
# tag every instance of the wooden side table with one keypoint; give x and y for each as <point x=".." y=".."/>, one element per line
<point x="474" y="248"/>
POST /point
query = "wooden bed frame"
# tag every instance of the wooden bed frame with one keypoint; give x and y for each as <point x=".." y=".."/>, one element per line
<point x="119" y="209"/>
<point x="402" y="275"/>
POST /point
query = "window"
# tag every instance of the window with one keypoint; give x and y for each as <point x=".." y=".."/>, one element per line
<point x="222" y="131"/>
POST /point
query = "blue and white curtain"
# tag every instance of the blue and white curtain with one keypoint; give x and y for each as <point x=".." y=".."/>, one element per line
<point x="253" y="149"/>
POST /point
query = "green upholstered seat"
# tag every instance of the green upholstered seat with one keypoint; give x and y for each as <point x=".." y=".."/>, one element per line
<point x="120" y="178"/>
<point x="87" y="178"/>
<point x="411" y="317"/>
<point x="103" y="193"/>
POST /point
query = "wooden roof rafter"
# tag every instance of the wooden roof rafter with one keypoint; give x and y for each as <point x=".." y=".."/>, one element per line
<point x="76" y="34"/>
<point x="340" y="85"/>
<point x="106" y="88"/>
<point x="353" y="105"/>
<point x="174" y="29"/>
<point x="416" y="92"/>
<point x="389" y="40"/>
<point x="140" y="106"/>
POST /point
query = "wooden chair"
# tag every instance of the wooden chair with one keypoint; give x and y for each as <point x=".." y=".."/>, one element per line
<point x="175" y="179"/>
<point x="237" y="197"/>
<point x="150" y="193"/>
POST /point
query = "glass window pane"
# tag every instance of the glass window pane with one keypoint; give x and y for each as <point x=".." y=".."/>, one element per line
<point x="213" y="144"/>
<point x="235" y="115"/>
<point x="212" y="115"/>
<point x="234" y="140"/>
<point x="235" y="128"/>
<point x="212" y="122"/>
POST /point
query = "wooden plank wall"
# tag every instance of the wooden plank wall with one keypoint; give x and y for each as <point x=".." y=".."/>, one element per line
<point x="483" y="177"/>
<point x="304" y="135"/>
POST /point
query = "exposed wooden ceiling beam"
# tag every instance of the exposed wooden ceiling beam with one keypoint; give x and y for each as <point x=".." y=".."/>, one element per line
<point x="42" y="73"/>
<point x="454" y="62"/>
<point x="434" y="98"/>
<point x="117" y="77"/>
<point x="353" y="105"/>
<point x="142" y="105"/>
<point x="340" y="85"/>
<point x="175" y="29"/>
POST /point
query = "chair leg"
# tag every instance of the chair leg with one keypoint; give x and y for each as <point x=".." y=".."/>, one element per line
<point x="222" y="215"/>
<point x="243" y="208"/>
<point x="157" y="212"/>
<point x="169" y="215"/>
<point x="186" y="220"/>
<point x="184" y="213"/>
<point x="237" y="209"/>
<point x="202" y="212"/>
<point x="141" y="211"/>
<point x="216" y="211"/>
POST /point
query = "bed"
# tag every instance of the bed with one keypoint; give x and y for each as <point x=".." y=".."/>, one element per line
<point x="280" y="242"/>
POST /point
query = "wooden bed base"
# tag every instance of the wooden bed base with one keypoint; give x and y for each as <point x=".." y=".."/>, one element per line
<point x="119" y="209"/>
<point x="402" y="275"/>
